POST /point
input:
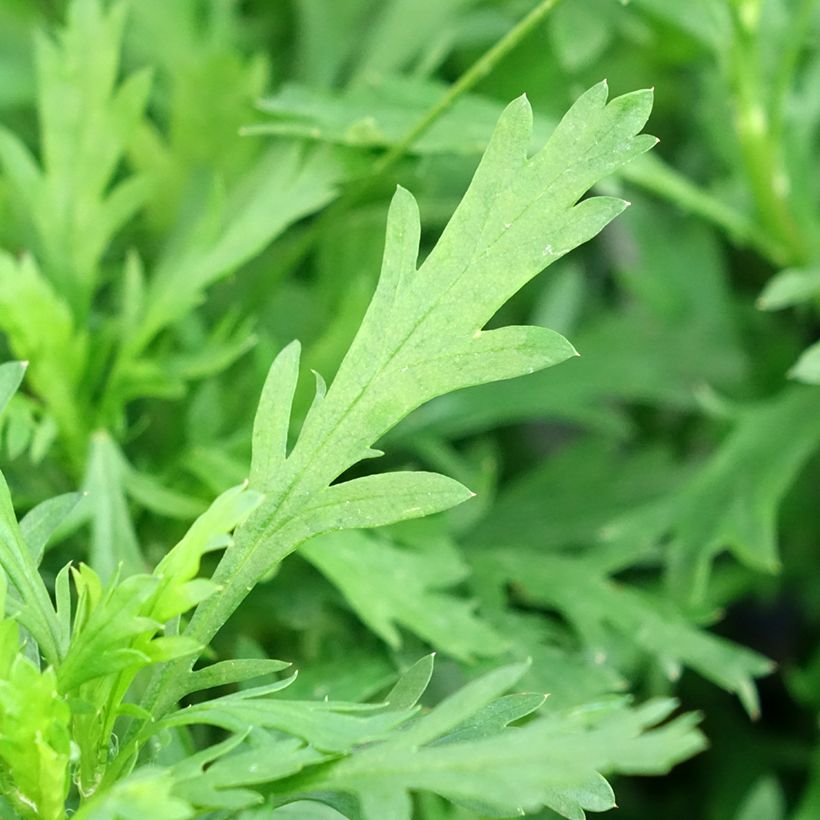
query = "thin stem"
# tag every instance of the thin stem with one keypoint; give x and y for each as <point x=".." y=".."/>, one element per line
<point x="466" y="82"/>
<point x="761" y="145"/>
<point x="794" y="42"/>
<point x="652" y="174"/>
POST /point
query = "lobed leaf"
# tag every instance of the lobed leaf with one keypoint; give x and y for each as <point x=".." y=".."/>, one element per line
<point x="407" y="594"/>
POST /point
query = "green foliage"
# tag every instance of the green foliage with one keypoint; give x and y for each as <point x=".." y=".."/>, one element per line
<point x="596" y="551"/>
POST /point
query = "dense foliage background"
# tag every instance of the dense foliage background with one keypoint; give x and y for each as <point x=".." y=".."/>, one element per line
<point x="630" y="503"/>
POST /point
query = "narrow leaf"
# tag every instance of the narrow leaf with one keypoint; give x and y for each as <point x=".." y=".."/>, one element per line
<point x="272" y="421"/>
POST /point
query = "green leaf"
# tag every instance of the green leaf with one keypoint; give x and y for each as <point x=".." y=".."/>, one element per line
<point x="40" y="523"/>
<point x="764" y="800"/>
<point x="550" y="762"/>
<point x="327" y="726"/>
<point x="411" y="685"/>
<point x="732" y="502"/>
<point x="375" y="500"/>
<point x="519" y="215"/>
<point x="408" y="592"/>
<point x="40" y="327"/>
<point x="11" y="375"/>
<point x="673" y="331"/>
<point x="462" y="705"/>
<point x="113" y="539"/>
<point x="590" y="602"/>
<point x="285" y="186"/>
<point x="105" y="627"/>
<point x="31" y="605"/>
<point x="807" y="368"/>
<point x="790" y="287"/>
<point x="153" y="494"/>
<point x="272" y="421"/>
<point x="377" y="115"/>
<point x="495" y="716"/>
<point x="146" y="792"/>
<point x="222" y="784"/>
<point x="223" y="673"/>
<point x="86" y="117"/>
<point x="36" y="744"/>
<point x="208" y="532"/>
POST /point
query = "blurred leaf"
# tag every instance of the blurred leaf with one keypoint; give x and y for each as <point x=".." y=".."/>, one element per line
<point x="11" y="375"/>
<point x="146" y="792"/>
<point x="286" y="185"/>
<point x="592" y="602"/>
<point x="732" y="501"/>
<point x="114" y="545"/>
<point x="85" y="119"/>
<point x="41" y="522"/>
<point x="328" y="726"/>
<point x="765" y="801"/>
<point x="790" y="287"/>
<point x="807" y="368"/>
<point x="408" y="592"/>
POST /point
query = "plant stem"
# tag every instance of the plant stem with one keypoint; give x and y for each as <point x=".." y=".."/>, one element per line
<point x="466" y="82"/>
<point x="760" y="141"/>
<point x="652" y="174"/>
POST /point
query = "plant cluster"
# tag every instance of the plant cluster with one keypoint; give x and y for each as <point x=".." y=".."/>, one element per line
<point x="593" y="548"/>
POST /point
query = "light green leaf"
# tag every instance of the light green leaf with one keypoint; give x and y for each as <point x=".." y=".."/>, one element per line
<point x="552" y="761"/>
<point x="114" y="543"/>
<point x="408" y="593"/>
<point x="328" y="726"/>
<point x="221" y="784"/>
<point x="377" y="115"/>
<point x="147" y="792"/>
<point x="208" y="532"/>
<point x="592" y="602"/>
<point x="807" y="368"/>
<point x="520" y="214"/>
<point x="764" y="801"/>
<point x="732" y="502"/>
<point x="272" y="421"/>
<point x="674" y="330"/>
<point x="461" y="705"/>
<point x="411" y="685"/>
<point x="223" y="673"/>
<point x="579" y="34"/>
<point x="375" y="500"/>
<point x="31" y="603"/>
<point x="40" y="327"/>
<point x="106" y="625"/>
<point x="790" y="287"/>
<point x="495" y="716"/>
<point x="36" y="743"/>
<point x="86" y="117"/>
<point x="40" y="523"/>
<point x="11" y="375"/>
<point x="153" y="494"/>
<point x="285" y="186"/>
